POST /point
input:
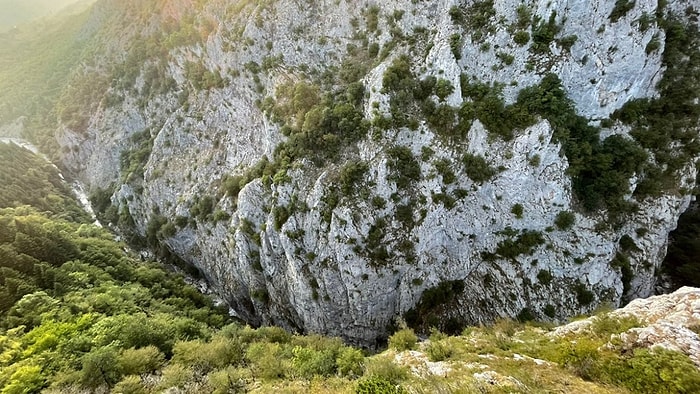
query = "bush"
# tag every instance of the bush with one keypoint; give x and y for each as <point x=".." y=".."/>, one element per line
<point x="207" y="356"/>
<point x="621" y="8"/>
<point x="226" y="381"/>
<point x="405" y="169"/>
<point x="383" y="368"/>
<point x="549" y="311"/>
<point x="438" y="349"/>
<point x="26" y="379"/>
<point x="139" y="361"/>
<point x="376" y="385"/>
<point x="456" y="45"/>
<point x="101" y="368"/>
<point x="477" y="168"/>
<point x="175" y="375"/>
<point x="350" y="362"/>
<point x="565" y="220"/>
<point x="443" y="88"/>
<point x="525" y="243"/>
<point x="544" y="276"/>
<point x="404" y="339"/>
<point x="655" y="370"/>
<point x="583" y="295"/>
<point x="308" y="362"/>
<point x="517" y="210"/>
<point x="265" y="360"/>
<point x="521" y="37"/>
<point x="526" y="314"/>
<point x="543" y="33"/>
<point x="130" y="385"/>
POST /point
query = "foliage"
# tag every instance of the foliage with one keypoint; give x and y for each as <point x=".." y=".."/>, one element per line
<point x="517" y="210"/>
<point x="477" y="168"/>
<point x="79" y="303"/>
<point x="525" y="243"/>
<point x="583" y="295"/>
<point x="665" y="126"/>
<point x="404" y="339"/>
<point x="564" y="220"/>
<point x="543" y="33"/>
<point x="434" y="303"/>
<point x="378" y="385"/>
<point x="621" y="8"/>
<point x="29" y="179"/>
<point x="405" y="169"/>
<point x="681" y="261"/>
<point x="521" y="37"/>
<point x="133" y="161"/>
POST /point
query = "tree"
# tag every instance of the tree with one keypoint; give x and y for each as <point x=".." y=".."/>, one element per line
<point x="101" y="367"/>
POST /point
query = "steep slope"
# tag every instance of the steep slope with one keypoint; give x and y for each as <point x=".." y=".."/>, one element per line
<point x="331" y="165"/>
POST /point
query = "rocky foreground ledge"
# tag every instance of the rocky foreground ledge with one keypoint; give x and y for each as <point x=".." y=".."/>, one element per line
<point x="650" y="345"/>
<point x="671" y="321"/>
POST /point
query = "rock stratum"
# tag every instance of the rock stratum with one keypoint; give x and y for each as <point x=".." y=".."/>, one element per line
<point x="331" y="165"/>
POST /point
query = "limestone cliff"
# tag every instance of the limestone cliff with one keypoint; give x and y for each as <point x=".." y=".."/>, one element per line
<point x="330" y="165"/>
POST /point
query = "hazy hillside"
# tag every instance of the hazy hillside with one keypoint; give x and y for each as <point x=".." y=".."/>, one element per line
<point x="16" y="12"/>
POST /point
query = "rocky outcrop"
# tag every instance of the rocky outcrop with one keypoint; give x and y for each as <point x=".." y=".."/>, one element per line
<point x="670" y="321"/>
<point x="291" y="251"/>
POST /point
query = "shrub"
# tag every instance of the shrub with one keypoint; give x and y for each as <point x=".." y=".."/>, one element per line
<point x="544" y="276"/>
<point x="564" y="220"/>
<point x="549" y="311"/>
<point x="456" y="14"/>
<point x="351" y="174"/>
<point x="517" y="210"/>
<point x="583" y="295"/>
<point x="477" y="168"/>
<point x="377" y="385"/>
<point x="438" y="349"/>
<point x="139" y="361"/>
<point x="26" y="379"/>
<point x="526" y="314"/>
<point x="308" y="362"/>
<point x="653" y="45"/>
<point x="207" y="356"/>
<point x="101" y="368"/>
<point x="456" y="45"/>
<point x="433" y="304"/>
<point x="524" y="16"/>
<point x="443" y="88"/>
<point x="226" y="381"/>
<point x="506" y="58"/>
<point x="581" y="357"/>
<point x="384" y="368"/>
<point x="543" y="33"/>
<point x="655" y="370"/>
<point x="627" y="244"/>
<point x="350" y="362"/>
<point x="175" y="375"/>
<point x="405" y="169"/>
<point x="521" y="37"/>
<point x="265" y="360"/>
<point x="130" y="385"/>
<point x="621" y="8"/>
<point x="404" y="339"/>
<point x="525" y="243"/>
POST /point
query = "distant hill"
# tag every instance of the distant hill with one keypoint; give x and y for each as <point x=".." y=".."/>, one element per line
<point x="15" y="12"/>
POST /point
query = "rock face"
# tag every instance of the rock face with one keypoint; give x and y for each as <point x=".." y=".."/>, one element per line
<point x="310" y="266"/>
